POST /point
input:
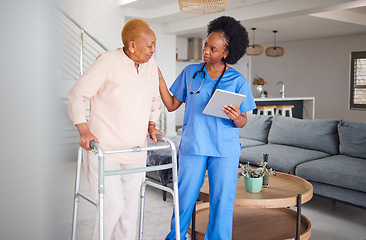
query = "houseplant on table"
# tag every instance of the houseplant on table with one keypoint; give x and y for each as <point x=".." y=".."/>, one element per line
<point x="253" y="179"/>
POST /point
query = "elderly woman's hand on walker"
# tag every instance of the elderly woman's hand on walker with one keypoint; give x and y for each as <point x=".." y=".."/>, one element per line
<point x="153" y="132"/>
<point x="85" y="136"/>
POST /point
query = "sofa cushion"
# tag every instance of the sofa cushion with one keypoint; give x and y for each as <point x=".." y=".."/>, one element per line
<point x="318" y="134"/>
<point x="339" y="193"/>
<point x="257" y="127"/>
<point x="340" y="170"/>
<point x="281" y="158"/>
<point x="352" y="138"/>
<point x="249" y="142"/>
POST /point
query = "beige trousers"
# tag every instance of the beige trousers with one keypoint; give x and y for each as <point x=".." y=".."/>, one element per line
<point x="121" y="197"/>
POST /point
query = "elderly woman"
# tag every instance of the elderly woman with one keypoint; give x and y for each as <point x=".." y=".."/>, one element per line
<point x="210" y="142"/>
<point x="123" y="89"/>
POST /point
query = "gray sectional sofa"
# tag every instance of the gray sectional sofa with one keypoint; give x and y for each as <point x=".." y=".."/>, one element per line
<point x="331" y="154"/>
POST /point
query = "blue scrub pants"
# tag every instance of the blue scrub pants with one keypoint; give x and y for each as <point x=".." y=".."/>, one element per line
<point x="222" y="174"/>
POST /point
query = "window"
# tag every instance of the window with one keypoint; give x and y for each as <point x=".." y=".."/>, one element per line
<point x="358" y="80"/>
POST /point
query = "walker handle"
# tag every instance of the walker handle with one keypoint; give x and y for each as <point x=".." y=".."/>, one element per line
<point x="159" y="137"/>
<point x="92" y="144"/>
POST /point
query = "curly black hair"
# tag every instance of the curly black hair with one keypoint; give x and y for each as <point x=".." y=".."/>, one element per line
<point x="235" y="35"/>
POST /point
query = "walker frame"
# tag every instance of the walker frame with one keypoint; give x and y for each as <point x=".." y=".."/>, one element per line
<point x="168" y="143"/>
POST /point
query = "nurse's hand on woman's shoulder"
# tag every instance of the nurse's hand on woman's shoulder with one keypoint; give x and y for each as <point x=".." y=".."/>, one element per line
<point x="161" y="78"/>
<point x="170" y="101"/>
<point x="85" y="136"/>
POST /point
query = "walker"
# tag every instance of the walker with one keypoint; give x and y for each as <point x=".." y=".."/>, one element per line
<point x="101" y="174"/>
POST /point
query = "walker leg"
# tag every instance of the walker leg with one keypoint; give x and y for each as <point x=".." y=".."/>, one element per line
<point x="176" y="210"/>
<point x="101" y="196"/>
<point x="175" y="200"/>
<point x="142" y="209"/>
<point x="101" y="216"/>
<point x="76" y="194"/>
<point x="175" y="188"/>
<point x="74" y="219"/>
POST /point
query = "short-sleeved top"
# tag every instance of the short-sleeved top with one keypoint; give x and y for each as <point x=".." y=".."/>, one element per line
<point x="205" y="134"/>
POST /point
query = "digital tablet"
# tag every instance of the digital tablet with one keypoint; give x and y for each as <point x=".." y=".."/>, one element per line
<point x="219" y="99"/>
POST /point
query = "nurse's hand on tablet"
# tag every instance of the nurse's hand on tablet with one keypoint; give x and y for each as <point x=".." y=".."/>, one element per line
<point x="233" y="112"/>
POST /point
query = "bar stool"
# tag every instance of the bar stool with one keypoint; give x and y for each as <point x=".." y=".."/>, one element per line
<point x="265" y="110"/>
<point x="284" y="109"/>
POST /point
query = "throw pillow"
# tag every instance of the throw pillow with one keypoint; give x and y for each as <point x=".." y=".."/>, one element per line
<point x="352" y="138"/>
<point x="317" y="134"/>
<point x="257" y="128"/>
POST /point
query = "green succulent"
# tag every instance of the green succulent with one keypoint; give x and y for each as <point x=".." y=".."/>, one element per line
<point x="247" y="171"/>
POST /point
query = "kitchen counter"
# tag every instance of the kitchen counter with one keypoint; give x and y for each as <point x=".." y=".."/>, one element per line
<point x="283" y="99"/>
<point x="304" y="106"/>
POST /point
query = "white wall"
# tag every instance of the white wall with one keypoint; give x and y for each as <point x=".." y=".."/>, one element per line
<point x="165" y="57"/>
<point x="102" y="19"/>
<point x="30" y="152"/>
<point x="182" y="48"/>
<point x="319" y="68"/>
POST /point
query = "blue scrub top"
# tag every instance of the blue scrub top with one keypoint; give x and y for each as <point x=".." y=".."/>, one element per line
<point x="205" y="134"/>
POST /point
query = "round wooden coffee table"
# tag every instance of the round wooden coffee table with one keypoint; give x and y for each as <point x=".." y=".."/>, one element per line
<point x="264" y="215"/>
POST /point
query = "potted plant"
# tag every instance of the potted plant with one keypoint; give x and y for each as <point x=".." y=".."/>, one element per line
<point x="253" y="179"/>
<point x="259" y="81"/>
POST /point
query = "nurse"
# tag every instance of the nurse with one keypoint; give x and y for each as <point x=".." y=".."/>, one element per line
<point x="208" y="142"/>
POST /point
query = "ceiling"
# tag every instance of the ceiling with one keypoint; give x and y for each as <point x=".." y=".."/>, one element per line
<point x="293" y="19"/>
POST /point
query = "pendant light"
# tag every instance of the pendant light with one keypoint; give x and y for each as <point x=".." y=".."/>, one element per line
<point x="202" y="6"/>
<point x="254" y="49"/>
<point x="275" y="51"/>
